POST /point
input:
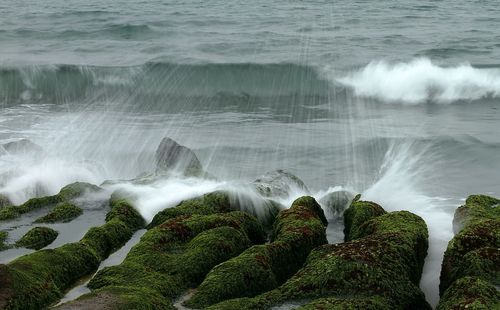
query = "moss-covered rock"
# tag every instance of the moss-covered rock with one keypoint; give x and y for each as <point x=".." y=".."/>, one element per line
<point x="36" y="280"/>
<point x="4" y="201"/>
<point x="358" y="213"/>
<point x="362" y="303"/>
<point x="63" y="212"/>
<point x="66" y="194"/>
<point x="216" y="202"/>
<point x="170" y="258"/>
<point x="476" y="207"/>
<point x="476" y="235"/>
<point x="37" y="238"/>
<point x="263" y="267"/>
<point x="470" y="293"/>
<point x="384" y="263"/>
<point x="3" y="238"/>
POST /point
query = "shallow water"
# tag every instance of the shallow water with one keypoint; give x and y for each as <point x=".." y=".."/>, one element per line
<point x="394" y="99"/>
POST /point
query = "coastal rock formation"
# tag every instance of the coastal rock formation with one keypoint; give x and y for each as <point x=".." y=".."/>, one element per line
<point x="63" y="212"/>
<point x="279" y="183"/>
<point x="66" y="194"/>
<point x="471" y="263"/>
<point x="3" y="238"/>
<point x="36" y="280"/>
<point x="37" y="238"/>
<point x="171" y="156"/>
<point x="296" y="232"/>
<point x="169" y="259"/>
<point x="382" y="266"/>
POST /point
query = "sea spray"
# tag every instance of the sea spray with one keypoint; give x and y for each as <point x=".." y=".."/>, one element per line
<point x="406" y="169"/>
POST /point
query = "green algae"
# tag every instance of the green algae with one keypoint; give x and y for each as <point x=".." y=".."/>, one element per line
<point x="263" y="267"/>
<point x="37" y="238"/>
<point x="476" y="208"/>
<point x="358" y="213"/>
<point x="63" y="212"/>
<point x="171" y="258"/>
<point x="67" y="193"/>
<point x="3" y="238"/>
<point x="384" y="262"/>
<point x="216" y="202"/>
<point x="470" y="293"/>
<point x="362" y="303"/>
<point x="36" y="280"/>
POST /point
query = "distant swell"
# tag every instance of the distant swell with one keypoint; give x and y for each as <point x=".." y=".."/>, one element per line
<point x="421" y="81"/>
<point x="157" y="81"/>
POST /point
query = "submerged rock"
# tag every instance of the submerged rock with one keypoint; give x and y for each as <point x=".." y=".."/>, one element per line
<point x="37" y="280"/>
<point x="63" y="212"/>
<point x="336" y="203"/>
<point x="22" y="146"/>
<point x="263" y="267"/>
<point x="66" y="194"/>
<point x="473" y="255"/>
<point x="169" y="259"/>
<point x="382" y="265"/>
<point x="171" y="156"/>
<point x="279" y="183"/>
<point x="37" y="238"/>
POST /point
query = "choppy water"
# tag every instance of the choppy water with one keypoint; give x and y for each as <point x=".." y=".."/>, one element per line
<point x="398" y="100"/>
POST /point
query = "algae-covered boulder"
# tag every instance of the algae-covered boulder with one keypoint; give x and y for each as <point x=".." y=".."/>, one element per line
<point x="470" y="293"/>
<point x="66" y="194"/>
<point x="336" y="203"/>
<point x="37" y="238"/>
<point x="63" y="212"/>
<point x="383" y="265"/>
<point x="361" y="303"/>
<point x="476" y="207"/>
<point x="358" y="213"/>
<point x="169" y="259"/>
<point x="279" y="183"/>
<point x="215" y="202"/>
<point x="475" y="246"/>
<point x="36" y="280"/>
<point x="472" y="256"/>
<point x="263" y="267"/>
<point x="171" y="156"/>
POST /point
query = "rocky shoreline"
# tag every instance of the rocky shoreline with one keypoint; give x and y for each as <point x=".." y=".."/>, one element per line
<point x="214" y="253"/>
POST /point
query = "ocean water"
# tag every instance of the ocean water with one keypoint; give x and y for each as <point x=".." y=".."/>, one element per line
<point x="398" y="100"/>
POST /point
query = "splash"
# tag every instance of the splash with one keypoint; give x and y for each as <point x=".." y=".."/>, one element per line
<point x="406" y="168"/>
<point x="420" y="80"/>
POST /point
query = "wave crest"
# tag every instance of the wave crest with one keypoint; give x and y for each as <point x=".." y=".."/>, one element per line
<point x="420" y="80"/>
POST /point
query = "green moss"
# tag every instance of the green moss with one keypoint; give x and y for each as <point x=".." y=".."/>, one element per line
<point x="362" y="303"/>
<point x="263" y="267"/>
<point x="470" y="293"/>
<point x="3" y="238"/>
<point x="358" y="213"/>
<point x="172" y="257"/>
<point x="476" y="235"/>
<point x="37" y="238"/>
<point x="476" y="208"/>
<point x="36" y="280"/>
<point x="67" y="193"/>
<point x="216" y="202"/>
<point x="63" y="212"/>
<point x="385" y="262"/>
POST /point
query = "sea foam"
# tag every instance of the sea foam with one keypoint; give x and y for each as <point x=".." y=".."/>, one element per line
<point x="420" y="80"/>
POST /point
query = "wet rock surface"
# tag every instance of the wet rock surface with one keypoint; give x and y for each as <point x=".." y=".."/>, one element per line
<point x="279" y="183"/>
<point x="471" y="263"/>
<point x="171" y="156"/>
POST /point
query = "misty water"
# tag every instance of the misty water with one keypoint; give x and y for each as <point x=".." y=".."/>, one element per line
<point x="397" y="100"/>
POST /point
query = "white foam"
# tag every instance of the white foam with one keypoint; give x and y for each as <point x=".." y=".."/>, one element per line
<point x="420" y="80"/>
<point x="405" y="170"/>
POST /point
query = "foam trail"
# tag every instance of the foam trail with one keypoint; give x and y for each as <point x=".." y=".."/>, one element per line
<point x="399" y="188"/>
<point x="420" y="80"/>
